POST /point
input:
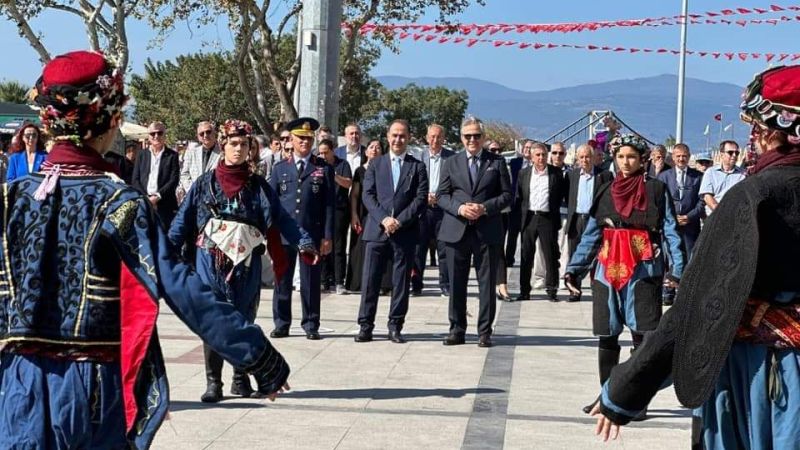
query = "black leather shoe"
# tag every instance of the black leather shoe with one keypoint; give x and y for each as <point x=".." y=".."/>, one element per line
<point x="363" y="336"/>
<point x="454" y="339"/>
<point x="445" y="293"/>
<point x="213" y="393"/>
<point x="574" y="298"/>
<point x="278" y="333"/>
<point x="313" y="336"/>
<point x="485" y="341"/>
<point x="588" y="408"/>
<point x="416" y="292"/>
<point x="552" y="296"/>
<point x="523" y="297"/>
<point x="504" y="298"/>
<point x="396" y="337"/>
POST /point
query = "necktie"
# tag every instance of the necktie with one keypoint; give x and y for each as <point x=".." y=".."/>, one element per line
<point x="473" y="169"/>
<point x="395" y="172"/>
<point x="301" y="166"/>
<point x="681" y="183"/>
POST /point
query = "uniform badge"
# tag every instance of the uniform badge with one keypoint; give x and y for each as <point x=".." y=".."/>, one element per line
<point x="283" y="187"/>
<point x="315" y="188"/>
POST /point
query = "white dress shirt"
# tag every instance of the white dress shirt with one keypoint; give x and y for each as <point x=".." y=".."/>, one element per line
<point x="152" y="179"/>
<point x="353" y="158"/>
<point x="435" y="163"/>
<point x="539" y="191"/>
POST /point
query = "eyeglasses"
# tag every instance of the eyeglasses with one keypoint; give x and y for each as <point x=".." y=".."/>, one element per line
<point x="732" y="153"/>
<point x="205" y="133"/>
<point x="156" y="133"/>
<point x="557" y="153"/>
<point x="472" y="137"/>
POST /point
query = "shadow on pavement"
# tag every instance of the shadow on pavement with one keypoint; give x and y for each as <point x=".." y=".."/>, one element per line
<point x="551" y="341"/>
<point x="388" y="393"/>
<point x="185" y="405"/>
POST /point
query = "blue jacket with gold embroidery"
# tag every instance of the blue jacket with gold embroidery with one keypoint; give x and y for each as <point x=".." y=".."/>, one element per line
<point x="88" y="265"/>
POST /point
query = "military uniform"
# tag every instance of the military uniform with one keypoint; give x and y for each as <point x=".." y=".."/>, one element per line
<point x="307" y="191"/>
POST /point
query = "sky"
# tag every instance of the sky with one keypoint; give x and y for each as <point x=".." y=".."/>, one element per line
<point x="520" y="69"/>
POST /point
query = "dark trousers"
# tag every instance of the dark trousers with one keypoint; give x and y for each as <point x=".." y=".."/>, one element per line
<point x="514" y="219"/>
<point x="486" y="258"/>
<point x="334" y="266"/>
<point x="376" y="254"/>
<point x="544" y="228"/>
<point x="502" y="276"/>
<point x="429" y="224"/>
<point x="309" y="294"/>
<point x="574" y="235"/>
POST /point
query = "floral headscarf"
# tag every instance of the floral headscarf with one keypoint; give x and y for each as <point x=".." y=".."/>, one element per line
<point x="630" y="140"/>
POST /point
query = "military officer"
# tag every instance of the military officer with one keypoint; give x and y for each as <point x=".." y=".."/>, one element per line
<point x="306" y="188"/>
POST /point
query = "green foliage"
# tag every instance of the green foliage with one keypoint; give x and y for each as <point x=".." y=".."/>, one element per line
<point x="420" y="106"/>
<point x="13" y="92"/>
<point x="191" y="89"/>
<point x="503" y="133"/>
<point x="670" y="141"/>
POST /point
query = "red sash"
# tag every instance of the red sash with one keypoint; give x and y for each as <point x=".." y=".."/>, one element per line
<point x="622" y="250"/>
<point x="770" y="324"/>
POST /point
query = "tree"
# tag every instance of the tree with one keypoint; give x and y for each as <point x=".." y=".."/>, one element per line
<point x="13" y="92"/>
<point x="670" y="141"/>
<point x="259" y="44"/>
<point x="420" y="106"/>
<point x="104" y="21"/>
<point x="504" y="133"/>
<point x="191" y="89"/>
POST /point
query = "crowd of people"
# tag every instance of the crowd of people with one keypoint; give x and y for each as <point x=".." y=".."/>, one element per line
<point x="105" y="237"/>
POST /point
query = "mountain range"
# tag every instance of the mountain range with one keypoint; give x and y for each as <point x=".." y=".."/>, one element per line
<point x="648" y="105"/>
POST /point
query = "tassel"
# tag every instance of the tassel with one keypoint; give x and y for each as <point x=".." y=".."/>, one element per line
<point x="48" y="185"/>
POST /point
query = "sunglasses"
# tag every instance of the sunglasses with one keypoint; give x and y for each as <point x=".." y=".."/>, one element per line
<point x="205" y="133"/>
<point x="732" y="153"/>
<point x="156" y="133"/>
<point x="557" y="153"/>
<point x="30" y="135"/>
<point x="472" y="137"/>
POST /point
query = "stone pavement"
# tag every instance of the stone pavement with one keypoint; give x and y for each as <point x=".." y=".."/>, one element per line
<point x="525" y="392"/>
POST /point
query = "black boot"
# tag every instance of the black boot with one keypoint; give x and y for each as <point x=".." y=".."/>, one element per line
<point x="241" y="384"/>
<point x="606" y="360"/>
<point x="213" y="362"/>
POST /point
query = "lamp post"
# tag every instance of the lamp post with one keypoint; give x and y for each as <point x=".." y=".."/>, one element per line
<point x="682" y="72"/>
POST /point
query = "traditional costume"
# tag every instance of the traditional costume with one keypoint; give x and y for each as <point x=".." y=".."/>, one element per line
<point x="631" y="230"/>
<point x="227" y="214"/>
<point x="83" y="265"/>
<point x="731" y="342"/>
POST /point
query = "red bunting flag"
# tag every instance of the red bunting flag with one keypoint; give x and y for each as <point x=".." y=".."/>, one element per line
<point x="718" y="117"/>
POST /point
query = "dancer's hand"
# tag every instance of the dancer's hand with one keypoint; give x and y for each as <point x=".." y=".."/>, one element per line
<point x="605" y="428"/>
<point x="271" y="397"/>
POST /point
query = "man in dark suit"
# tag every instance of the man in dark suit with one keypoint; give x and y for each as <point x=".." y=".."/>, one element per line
<point x="583" y="182"/>
<point x="473" y="189"/>
<point x="156" y="173"/>
<point x="334" y="265"/>
<point x="515" y="216"/>
<point x="306" y="188"/>
<point x="683" y="184"/>
<point x="352" y="151"/>
<point x="431" y="219"/>
<point x="395" y="193"/>
<point x="541" y="190"/>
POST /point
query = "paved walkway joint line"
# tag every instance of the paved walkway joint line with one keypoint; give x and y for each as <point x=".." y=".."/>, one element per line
<point x="486" y="428"/>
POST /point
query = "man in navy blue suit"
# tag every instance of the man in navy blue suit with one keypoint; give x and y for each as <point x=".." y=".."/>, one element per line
<point x="515" y="216"/>
<point x="431" y="219"/>
<point x="307" y="192"/>
<point x="473" y="190"/>
<point x="395" y="193"/>
<point x="683" y="184"/>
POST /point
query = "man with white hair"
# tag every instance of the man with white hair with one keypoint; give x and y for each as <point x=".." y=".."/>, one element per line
<point x="583" y="182"/>
<point x="200" y="157"/>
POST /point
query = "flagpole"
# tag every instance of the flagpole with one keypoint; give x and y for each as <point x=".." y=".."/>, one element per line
<point x="682" y="72"/>
<point x="720" y="130"/>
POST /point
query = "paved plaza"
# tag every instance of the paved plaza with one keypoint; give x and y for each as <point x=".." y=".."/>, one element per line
<point x="525" y="392"/>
